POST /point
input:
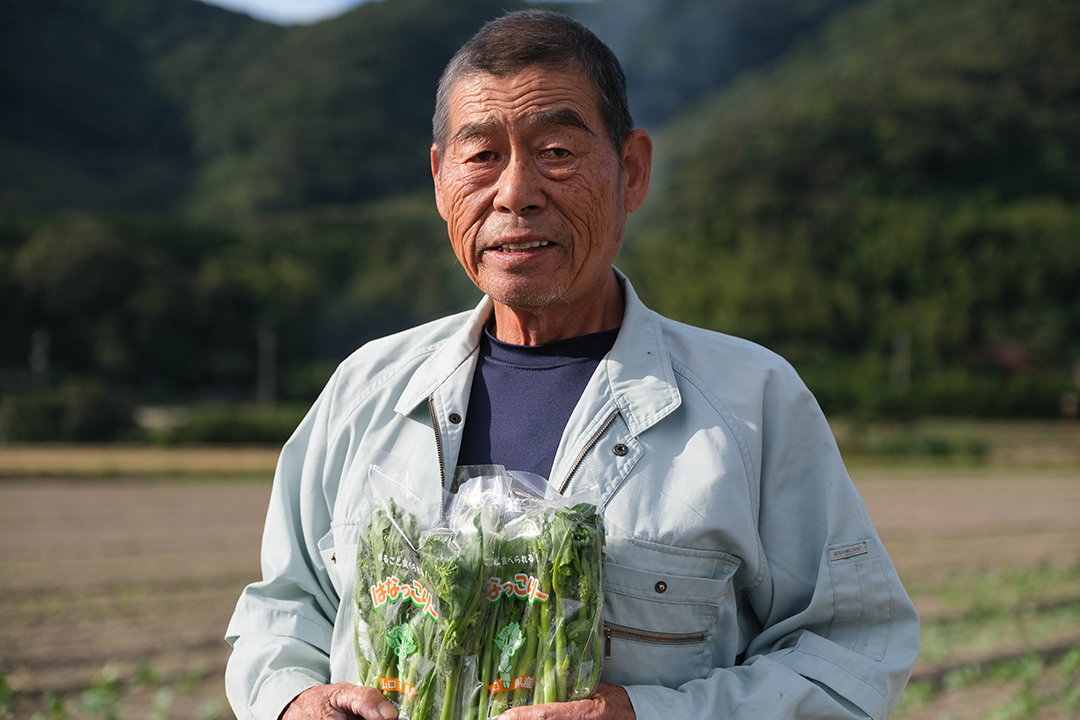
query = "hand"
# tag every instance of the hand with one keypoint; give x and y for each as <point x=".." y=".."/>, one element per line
<point x="609" y="702"/>
<point x="340" y="701"/>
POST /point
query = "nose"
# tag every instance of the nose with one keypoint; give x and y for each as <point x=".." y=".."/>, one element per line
<point x="520" y="187"/>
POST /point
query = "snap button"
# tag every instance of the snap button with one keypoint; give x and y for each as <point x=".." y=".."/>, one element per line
<point x="620" y="449"/>
<point x="661" y="587"/>
<point x="455" y="418"/>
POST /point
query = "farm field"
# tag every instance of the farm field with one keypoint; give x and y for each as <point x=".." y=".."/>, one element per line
<point x="115" y="591"/>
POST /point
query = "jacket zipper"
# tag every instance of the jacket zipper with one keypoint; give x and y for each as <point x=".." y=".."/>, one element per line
<point x="585" y="450"/>
<point x="438" y="439"/>
<point x="620" y="631"/>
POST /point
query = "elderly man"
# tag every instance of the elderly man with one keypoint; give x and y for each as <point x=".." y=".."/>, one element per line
<point x="744" y="578"/>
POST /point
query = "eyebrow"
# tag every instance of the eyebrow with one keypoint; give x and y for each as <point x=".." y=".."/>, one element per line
<point x="564" y="118"/>
<point x="474" y="130"/>
<point x="553" y="118"/>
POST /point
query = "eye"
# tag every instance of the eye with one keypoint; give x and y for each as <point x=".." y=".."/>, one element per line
<point x="556" y="153"/>
<point x="484" y="156"/>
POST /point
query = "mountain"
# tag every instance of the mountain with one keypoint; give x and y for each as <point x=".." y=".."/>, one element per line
<point x="334" y="113"/>
<point x="94" y="98"/>
<point x="173" y="105"/>
<point x="887" y="192"/>
<point x="907" y="178"/>
<point x="676" y="51"/>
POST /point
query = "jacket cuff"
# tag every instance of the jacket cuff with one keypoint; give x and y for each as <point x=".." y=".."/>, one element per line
<point x="655" y="702"/>
<point x="279" y="690"/>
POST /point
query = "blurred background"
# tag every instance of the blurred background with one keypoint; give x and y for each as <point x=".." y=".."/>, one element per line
<point x="203" y="211"/>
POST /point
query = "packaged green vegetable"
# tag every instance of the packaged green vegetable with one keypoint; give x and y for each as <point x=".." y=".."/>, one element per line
<point x="543" y="632"/>
<point x="417" y="593"/>
<point x="497" y="606"/>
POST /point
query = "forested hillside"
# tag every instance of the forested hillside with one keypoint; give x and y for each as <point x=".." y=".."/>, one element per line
<point x="178" y="106"/>
<point x="676" y="51"/>
<point x="884" y="191"/>
<point x="175" y="105"/>
<point x="94" y="99"/>
<point x="895" y="207"/>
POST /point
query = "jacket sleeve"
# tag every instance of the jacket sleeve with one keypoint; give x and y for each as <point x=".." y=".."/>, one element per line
<point x="282" y="627"/>
<point x="829" y="630"/>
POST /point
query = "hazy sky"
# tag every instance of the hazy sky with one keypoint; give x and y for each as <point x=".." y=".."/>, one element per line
<point x="288" y="12"/>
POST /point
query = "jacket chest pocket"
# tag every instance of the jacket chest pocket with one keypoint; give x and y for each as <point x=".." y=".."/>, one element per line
<point x="663" y="629"/>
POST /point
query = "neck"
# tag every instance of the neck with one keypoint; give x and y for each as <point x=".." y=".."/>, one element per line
<point x="602" y="309"/>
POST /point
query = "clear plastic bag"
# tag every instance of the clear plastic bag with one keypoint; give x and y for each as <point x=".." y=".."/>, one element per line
<point x="416" y="595"/>
<point x="497" y="606"/>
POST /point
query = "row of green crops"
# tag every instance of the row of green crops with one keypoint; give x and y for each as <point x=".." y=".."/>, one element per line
<point x="998" y="645"/>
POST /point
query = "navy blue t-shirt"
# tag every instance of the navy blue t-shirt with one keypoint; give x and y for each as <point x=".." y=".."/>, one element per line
<point x="522" y="397"/>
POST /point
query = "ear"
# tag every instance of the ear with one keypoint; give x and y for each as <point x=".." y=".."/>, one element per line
<point x="438" y="181"/>
<point x="637" y="165"/>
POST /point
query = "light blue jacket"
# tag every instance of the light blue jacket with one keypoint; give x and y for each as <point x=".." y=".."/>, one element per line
<point x="744" y="578"/>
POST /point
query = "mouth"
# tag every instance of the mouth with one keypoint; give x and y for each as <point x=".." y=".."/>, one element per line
<point x="520" y="247"/>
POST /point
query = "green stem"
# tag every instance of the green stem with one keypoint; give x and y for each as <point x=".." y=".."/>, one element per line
<point x="527" y="664"/>
<point x="562" y="661"/>
<point x="489" y="661"/>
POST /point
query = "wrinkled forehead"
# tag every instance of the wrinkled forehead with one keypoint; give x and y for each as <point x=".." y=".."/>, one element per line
<point x="533" y="95"/>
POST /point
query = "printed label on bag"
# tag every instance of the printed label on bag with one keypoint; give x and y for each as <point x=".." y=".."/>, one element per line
<point x="392" y="590"/>
<point x="396" y="685"/>
<point x="521" y="585"/>
<point x="525" y="682"/>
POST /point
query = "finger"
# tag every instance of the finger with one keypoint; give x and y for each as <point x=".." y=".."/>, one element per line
<point x="609" y="702"/>
<point x="576" y="710"/>
<point x="366" y="702"/>
<point x="614" y="701"/>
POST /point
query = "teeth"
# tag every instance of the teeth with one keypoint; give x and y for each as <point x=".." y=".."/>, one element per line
<point x="523" y="246"/>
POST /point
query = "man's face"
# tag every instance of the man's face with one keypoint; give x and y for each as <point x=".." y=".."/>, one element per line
<point x="531" y="187"/>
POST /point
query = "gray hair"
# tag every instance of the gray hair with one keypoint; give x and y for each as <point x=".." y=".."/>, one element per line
<point x="538" y="38"/>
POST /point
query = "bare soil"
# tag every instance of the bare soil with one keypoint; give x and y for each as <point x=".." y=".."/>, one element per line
<point x="129" y="574"/>
<point x="932" y="526"/>
<point x="145" y="574"/>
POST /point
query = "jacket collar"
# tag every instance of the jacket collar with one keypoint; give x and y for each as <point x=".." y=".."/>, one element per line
<point x="640" y="376"/>
<point x="446" y="359"/>
<point x="639" y="373"/>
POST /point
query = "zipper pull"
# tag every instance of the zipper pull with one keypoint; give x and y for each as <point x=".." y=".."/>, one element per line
<point x="607" y="643"/>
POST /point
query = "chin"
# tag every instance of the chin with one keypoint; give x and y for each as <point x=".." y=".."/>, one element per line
<point x="527" y="297"/>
